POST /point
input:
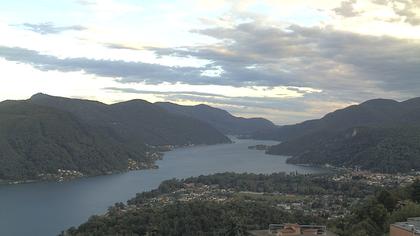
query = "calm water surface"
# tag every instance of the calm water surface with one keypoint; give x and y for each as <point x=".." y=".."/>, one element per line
<point x="47" y="208"/>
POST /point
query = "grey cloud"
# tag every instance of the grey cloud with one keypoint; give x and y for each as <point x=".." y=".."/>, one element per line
<point x="407" y="12"/>
<point x="346" y="9"/>
<point x="127" y="71"/>
<point x="131" y="90"/>
<point x="50" y="28"/>
<point x="334" y="61"/>
<point x="252" y="54"/>
<point x="119" y="46"/>
<point x="261" y="102"/>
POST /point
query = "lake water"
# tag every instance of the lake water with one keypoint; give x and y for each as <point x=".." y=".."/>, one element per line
<point x="47" y="208"/>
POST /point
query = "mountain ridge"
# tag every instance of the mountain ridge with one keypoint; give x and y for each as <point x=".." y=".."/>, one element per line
<point x="46" y="136"/>
<point x="219" y="118"/>
<point x="150" y="124"/>
<point x="355" y="136"/>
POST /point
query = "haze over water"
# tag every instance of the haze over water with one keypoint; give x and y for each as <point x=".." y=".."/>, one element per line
<point x="47" y="208"/>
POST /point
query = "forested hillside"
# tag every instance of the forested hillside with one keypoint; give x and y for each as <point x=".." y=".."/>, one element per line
<point x="234" y="204"/>
<point x="37" y="140"/>
<point x="381" y="149"/>
<point x="137" y="121"/>
<point x="380" y="135"/>
<point x="44" y="135"/>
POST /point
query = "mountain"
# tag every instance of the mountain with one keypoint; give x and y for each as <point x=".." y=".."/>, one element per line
<point x="381" y="135"/>
<point x="372" y="112"/>
<point x="37" y="140"/>
<point x="220" y="119"/>
<point x="137" y="121"/>
<point x="44" y="134"/>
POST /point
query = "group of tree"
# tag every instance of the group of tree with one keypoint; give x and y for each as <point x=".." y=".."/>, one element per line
<point x="189" y="219"/>
<point x="234" y="217"/>
<point x="313" y="184"/>
<point x="374" y="214"/>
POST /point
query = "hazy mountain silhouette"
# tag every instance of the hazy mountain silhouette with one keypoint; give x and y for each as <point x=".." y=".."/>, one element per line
<point x="220" y="119"/>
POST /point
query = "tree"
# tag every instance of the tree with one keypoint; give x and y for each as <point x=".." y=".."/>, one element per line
<point x="372" y="212"/>
<point x="415" y="192"/>
<point x="366" y="228"/>
<point x="387" y="199"/>
<point x="409" y="210"/>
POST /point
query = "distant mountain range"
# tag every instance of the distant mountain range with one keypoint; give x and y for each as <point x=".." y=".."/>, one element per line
<point x="220" y="119"/>
<point x="380" y="135"/>
<point x="40" y="135"/>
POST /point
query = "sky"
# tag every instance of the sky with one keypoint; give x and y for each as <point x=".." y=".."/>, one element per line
<point x="284" y="60"/>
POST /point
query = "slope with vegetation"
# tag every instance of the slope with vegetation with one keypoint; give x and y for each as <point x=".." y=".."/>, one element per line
<point x="147" y="215"/>
<point x="379" y="135"/>
<point x="375" y="213"/>
<point x="46" y="134"/>
<point x="153" y="213"/>
<point x="36" y="140"/>
<point x="137" y="121"/>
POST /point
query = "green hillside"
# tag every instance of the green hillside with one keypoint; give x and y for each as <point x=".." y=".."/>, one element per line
<point x="379" y="135"/>
<point x="38" y="140"/>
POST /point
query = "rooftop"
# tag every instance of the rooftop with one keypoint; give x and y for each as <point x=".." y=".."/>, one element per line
<point x="267" y="233"/>
<point x="412" y="224"/>
<point x="286" y="229"/>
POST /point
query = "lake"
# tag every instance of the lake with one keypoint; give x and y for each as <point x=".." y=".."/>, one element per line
<point x="47" y="208"/>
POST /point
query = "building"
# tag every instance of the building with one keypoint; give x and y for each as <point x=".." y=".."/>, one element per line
<point x="296" y="230"/>
<point x="292" y="230"/>
<point x="409" y="228"/>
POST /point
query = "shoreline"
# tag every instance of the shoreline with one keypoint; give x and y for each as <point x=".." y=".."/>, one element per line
<point x="161" y="150"/>
<point x="60" y="179"/>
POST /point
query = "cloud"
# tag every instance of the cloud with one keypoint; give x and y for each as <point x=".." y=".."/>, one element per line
<point x="408" y="11"/>
<point x="347" y="65"/>
<point x="322" y="58"/>
<point x="50" y="28"/>
<point x="255" y="92"/>
<point x="347" y="9"/>
<point x="343" y="67"/>
<point x="126" y="71"/>
<point x="194" y="93"/>
<point x="120" y="46"/>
